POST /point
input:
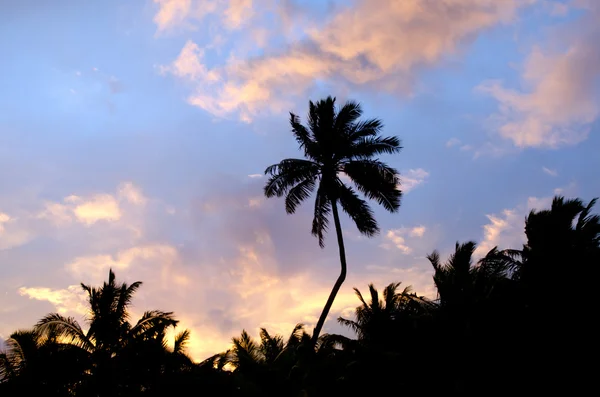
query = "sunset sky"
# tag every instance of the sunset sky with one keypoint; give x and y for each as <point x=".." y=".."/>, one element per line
<point x="134" y="135"/>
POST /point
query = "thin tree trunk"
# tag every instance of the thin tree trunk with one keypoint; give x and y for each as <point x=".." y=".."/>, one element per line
<point x="341" y="278"/>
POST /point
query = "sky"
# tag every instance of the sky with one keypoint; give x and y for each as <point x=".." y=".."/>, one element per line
<point x="134" y="135"/>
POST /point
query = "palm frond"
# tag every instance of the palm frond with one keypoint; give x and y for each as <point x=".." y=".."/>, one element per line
<point x="64" y="327"/>
<point x="125" y="296"/>
<point x="304" y="138"/>
<point x="298" y="194"/>
<point x="366" y="128"/>
<point x="376" y="180"/>
<point x="181" y="340"/>
<point x="357" y="209"/>
<point x="288" y="173"/>
<point x="320" y="221"/>
<point x="353" y="325"/>
<point x="321" y="122"/>
<point x="334" y="343"/>
<point x="346" y="116"/>
<point x="245" y="352"/>
<point x="371" y="146"/>
<point x="153" y="323"/>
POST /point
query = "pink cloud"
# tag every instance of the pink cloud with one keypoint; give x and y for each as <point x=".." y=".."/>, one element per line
<point x="559" y="100"/>
<point x="350" y="49"/>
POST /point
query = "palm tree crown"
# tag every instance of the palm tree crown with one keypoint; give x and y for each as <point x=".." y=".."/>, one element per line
<point x="336" y="143"/>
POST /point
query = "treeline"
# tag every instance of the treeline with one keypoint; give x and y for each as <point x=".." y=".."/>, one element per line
<point x="518" y="321"/>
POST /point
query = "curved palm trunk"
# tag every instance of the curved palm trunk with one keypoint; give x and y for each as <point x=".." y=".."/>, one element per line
<point x="341" y="278"/>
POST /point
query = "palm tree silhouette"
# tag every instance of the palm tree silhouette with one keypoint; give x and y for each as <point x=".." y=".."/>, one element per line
<point x="32" y="364"/>
<point x="336" y="143"/>
<point x="111" y="341"/>
<point x="374" y="323"/>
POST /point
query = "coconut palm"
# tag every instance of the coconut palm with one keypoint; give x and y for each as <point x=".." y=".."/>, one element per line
<point x="111" y="341"/>
<point x="32" y="363"/>
<point x="375" y="319"/>
<point x="337" y="144"/>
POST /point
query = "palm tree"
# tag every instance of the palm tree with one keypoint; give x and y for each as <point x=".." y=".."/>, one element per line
<point x="111" y="341"/>
<point x="33" y="363"/>
<point x="336" y="143"/>
<point x="376" y="319"/>
<point x="270" y="367"/>
<point x="246" y="354"/>
<point x="394" y="332"/>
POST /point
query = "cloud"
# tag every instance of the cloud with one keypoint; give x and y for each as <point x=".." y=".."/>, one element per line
<point x="254" y="176"/>
<point x="66" y="301"/>
<point x="96" y="267"/>
<point x="185" y="13"/>
<point x="11" y="233"/>
<point x="4" y="218"/>
<point x="171" y="12"/>
<point x="412" y="179"/>
<point x="132" y="194"/>
<point x="418" y="231"/>
<point x="92" y="209"/>
<point x="239" y="263"/>
<point x="331" y="52"/>
<point x="237" y="12"/>
<point x="453" y="142"/>
<point x="397" y="238"/>
<point x="101" y="207"/>
<point x="549" y="171"/>
<point x="507" y="229"/>
<point x="560" y="100"/>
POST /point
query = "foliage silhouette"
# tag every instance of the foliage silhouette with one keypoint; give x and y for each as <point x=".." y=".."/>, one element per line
<point x="502" y="324"/>
<point x="337" y="143"/>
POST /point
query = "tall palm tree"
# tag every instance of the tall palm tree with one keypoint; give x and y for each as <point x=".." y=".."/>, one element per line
<point x="111" y="341"/>
<point x="336" y="143"/>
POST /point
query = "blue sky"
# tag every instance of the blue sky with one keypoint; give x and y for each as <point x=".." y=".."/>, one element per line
<point x="131" y="133"/>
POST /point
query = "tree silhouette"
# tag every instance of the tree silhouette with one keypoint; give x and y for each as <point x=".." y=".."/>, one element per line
<point x="375" y="319"/>
<point x="268" y="367"/>
<point x="33" y="364"/>
<point x="336" y="143"/>
<point x="113" y="344"/>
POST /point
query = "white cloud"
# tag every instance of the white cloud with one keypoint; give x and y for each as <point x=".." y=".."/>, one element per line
<point x="254" y="176"/>
<point x="92" y="209"/>
<point x="452" y="142"/>
<point x="397" y="238"/>
<point x="101" y="207"/>
<point x="57" y="213"/>
<point x="71" y="300"/>
<point x="129" y="192"/>
<point x="505" y="231"/>
<point x="549" y="171"/>
<point x="412" y="178"/>
<point x="559" y="101"/>
<point x="418" y="231"/>
<point x="4" y="218"/>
